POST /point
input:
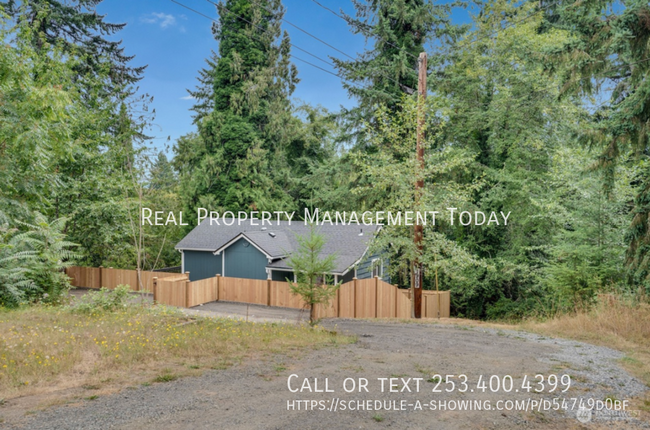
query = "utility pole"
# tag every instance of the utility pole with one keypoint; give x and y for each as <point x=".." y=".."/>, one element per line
<point x="416" y="285"/>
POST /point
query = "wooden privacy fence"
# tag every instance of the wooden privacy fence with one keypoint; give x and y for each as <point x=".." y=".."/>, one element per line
<point x="97" y="277"/>
<point x="434" y="300"/>
<point x="360" y="298"/>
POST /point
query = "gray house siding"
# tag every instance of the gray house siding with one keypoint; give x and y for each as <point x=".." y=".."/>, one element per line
<point x="364" y="270"/>
<point x="243" y="260"/>
<point x="281" y="275"/>
<point x="201" y="264"/>
<point x="348" y="276"/>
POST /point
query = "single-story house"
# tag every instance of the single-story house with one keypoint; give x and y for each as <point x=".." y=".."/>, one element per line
<point x="263" y="252"/>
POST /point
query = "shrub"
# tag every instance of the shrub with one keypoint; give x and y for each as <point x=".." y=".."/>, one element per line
<point x="32" y="259"/>
<point x="103" y="300"/>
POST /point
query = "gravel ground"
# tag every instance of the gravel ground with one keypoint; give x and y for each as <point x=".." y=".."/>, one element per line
<point x="255" y="395"/>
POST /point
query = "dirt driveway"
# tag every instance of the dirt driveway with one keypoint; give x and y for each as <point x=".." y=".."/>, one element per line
<point x="256" y="394"/>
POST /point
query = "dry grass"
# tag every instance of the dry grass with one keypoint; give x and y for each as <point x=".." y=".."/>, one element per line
<point x="47" y="349"/>
<point x="616" y="323"/>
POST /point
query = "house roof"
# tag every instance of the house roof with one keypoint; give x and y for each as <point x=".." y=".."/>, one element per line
<point x="280" y="240"/>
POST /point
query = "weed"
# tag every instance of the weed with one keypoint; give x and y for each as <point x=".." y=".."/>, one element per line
<point x="165" y="377"/>
<point x="42" y="344"/>
<point x="103" y="300"/>
<point x="616" y="322"/>
<point x="90" y="387"/>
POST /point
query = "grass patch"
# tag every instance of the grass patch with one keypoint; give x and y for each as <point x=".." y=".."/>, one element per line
<point x="45" y="347"/>
<point x="378" y="418"/>
<point x="165" y="377"/>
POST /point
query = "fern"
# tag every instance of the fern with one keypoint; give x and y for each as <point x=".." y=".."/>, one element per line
<point x="32" y="261"/>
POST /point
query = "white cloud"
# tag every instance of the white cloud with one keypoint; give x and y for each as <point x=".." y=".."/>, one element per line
<point x="164" y="20"/>
<point x="187" y="97"/>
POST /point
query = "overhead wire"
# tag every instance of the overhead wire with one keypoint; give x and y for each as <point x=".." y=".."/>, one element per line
<point x="342" y="78"/>
<point x="379" y="37"/>
<point x="291" y="44"/>
<point x="308" y="34"/>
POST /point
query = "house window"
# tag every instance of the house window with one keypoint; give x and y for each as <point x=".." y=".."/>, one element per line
<point x="377" y="267"/>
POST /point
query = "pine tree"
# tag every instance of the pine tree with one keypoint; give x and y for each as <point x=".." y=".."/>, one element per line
<point x="162" y="174"/>
<point x="80" y="32"/>
<point x="243" y="114"/>
<point x="611" y="45"/>
<point x="313" y="284"/>
<point x="388" y="71"/>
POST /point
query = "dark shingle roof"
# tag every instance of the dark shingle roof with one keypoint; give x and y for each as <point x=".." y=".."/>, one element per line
<point x="279" y="240"/>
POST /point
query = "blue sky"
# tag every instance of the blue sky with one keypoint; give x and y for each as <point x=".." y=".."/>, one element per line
<point x="174" y="42"/>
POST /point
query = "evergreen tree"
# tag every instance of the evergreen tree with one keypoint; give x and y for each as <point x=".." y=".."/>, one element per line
<point x="313" y="285"/>
<point x="80" y="32"/>
<point x="611" y="45"/>
<point x="399" y="31"/>
<point x="162" y="175"/>
<point x="237" y="161"/>
<point x="505" y="111"/>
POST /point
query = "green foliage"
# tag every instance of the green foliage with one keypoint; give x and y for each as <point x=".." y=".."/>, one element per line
<point x="506" y="112"/>
<point x="162" y="175"/>
<point x="313" y="284"/>
<point x="237" y="159"/>
<point x="32" y="262"/>
<point x="607" y="56"/>
<point x="588" y="248"/>
<point x="103" y="300"/>
<point x="387" y="71"/>
<point x="80" y="32"/>
<point x="391" y="173"/>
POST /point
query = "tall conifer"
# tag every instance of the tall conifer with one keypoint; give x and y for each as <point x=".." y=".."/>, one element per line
<point x="243" y="113"/>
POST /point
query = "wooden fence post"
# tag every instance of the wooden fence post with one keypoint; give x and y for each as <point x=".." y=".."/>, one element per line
<point x="396" y="299"/>
<point x="354" y="301"/>
<point x="218" y="279"/>
<point x="338" y="302"/>
<point x="155" y="289"/>
<point x="268" y="292"/>
<point x="188" y="293"/>
<point x="424" y="307"/>
<point x="101" y="269"/>
<point x="376" y="296"/>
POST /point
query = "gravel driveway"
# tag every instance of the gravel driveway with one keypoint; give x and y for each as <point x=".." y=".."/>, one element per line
<point x="245" y="311"/>
<point x="255" y="395"/>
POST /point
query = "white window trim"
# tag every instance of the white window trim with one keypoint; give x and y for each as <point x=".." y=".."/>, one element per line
<point x="380" y="267"/>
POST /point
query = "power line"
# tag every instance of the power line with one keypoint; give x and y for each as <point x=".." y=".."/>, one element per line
<point x="308" y="34"/>
<point x="379" y="37"/>
<point x="261" y="28"/>
<point x="496" y="32"/>
<point x="266" y="31"/>
<point x="293" y="25"/>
